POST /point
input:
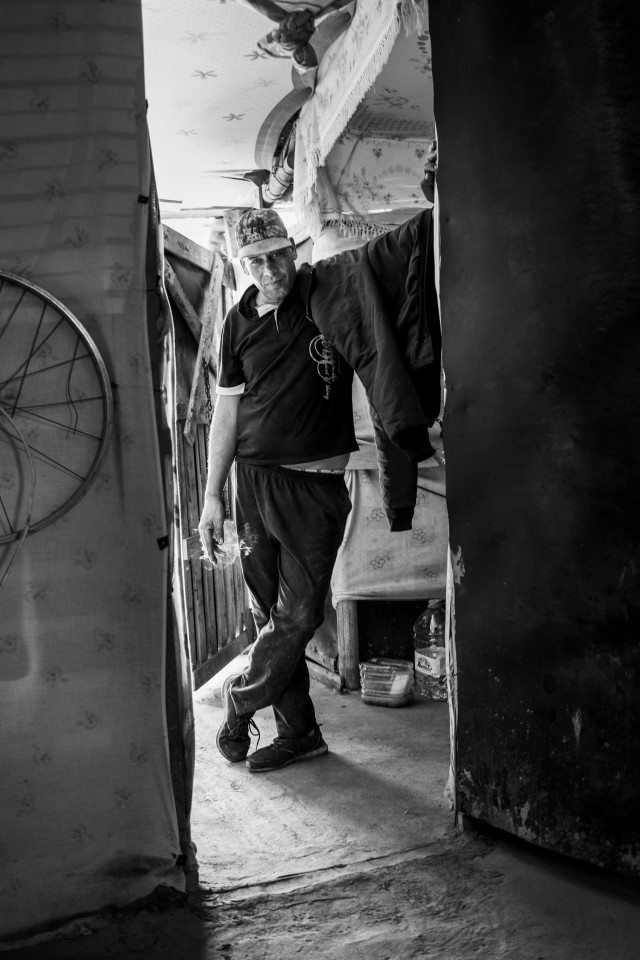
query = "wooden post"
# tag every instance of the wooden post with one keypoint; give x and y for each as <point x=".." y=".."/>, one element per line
<point x="348" y="648"/>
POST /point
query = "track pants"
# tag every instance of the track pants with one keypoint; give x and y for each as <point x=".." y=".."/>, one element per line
<point x="292" y="524"/>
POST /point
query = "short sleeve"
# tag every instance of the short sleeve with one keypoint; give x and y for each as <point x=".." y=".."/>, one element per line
<point x="231" y="379"/>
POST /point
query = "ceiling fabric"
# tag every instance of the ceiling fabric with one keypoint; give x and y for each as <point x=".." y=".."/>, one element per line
<point x="212" y="89"/>
<point x="362" y="139"/>
<point x="370" y="183"/>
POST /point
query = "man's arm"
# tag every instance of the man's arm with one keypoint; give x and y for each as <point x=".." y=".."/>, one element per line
<point x="222" y="448"/>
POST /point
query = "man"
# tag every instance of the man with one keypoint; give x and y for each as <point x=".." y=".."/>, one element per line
<point x="283" y="412"/>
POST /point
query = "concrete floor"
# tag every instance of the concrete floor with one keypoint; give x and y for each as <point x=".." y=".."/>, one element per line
<point x="379" y="791"/>
<point x="355" y="855"/>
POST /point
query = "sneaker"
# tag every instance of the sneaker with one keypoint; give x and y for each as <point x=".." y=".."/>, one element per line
<point x="284" y="751"/>
<point x="234" y="736"/>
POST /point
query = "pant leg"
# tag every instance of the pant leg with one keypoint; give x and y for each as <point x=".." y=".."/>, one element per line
<point x="293" y="523"/>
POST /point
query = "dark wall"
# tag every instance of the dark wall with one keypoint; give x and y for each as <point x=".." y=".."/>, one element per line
<point x="537" y="115"/>
<point x="385" y="628"/>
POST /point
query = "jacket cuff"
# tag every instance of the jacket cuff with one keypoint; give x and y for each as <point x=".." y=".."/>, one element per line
<point x="400" y="519"/>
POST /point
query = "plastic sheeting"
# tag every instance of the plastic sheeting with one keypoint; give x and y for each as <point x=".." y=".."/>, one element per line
<point x="87" y="810"/>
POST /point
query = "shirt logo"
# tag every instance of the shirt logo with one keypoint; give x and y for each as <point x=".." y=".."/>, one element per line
<point x="327" y="360"/>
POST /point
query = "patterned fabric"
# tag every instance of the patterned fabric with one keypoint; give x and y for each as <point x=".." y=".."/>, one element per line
<point x="373" y="563"/>
<point x="87" y="810"/>
<point x="362" y="139"/>
<point x="259" y="231"/>
<point x="210" y="88"/>
<point x="371" y="183"/>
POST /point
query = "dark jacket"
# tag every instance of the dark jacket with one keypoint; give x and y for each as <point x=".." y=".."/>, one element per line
<point x="378" y="306"/>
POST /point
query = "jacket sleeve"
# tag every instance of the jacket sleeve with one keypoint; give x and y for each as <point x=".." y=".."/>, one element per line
<point x="378" y="306"/>
<point x="347" y="307"/>
<point x="398" y="479"/>
<point x="403" y="262"/>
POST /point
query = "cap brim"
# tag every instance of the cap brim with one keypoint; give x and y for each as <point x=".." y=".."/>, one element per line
<point x="264" y="246"/>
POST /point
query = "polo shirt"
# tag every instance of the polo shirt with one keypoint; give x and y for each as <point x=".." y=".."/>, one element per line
<point x="295" y="388"/>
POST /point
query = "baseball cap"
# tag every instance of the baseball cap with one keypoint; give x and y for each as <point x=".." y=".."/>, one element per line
<point x="260" y="231"/>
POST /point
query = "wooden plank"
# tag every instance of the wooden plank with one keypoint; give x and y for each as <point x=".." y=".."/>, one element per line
<point x="192" y="549"/>
<point x="328" y="677"/>
<point x="206" y="350"/>
<point x="207" y="572"/>
<point x="229" y="599"/>
<point x="181" y="246"/>
<point x="240" y="598"/>
<point x="348" y="647"/>
<point x="182" y="301"/>
<point x="229" y="276"/>
<point x="213" y="313"/>
<point x="220" y="659"/>
<point x="185" y="571"/>
<point x="193" y="516"/>
<point x="315" y="652"/>
<point x="185" y="350"/>
<point x="190" y="612"/>
<point x="222" y="633"/>
<point x="198" y="612"/>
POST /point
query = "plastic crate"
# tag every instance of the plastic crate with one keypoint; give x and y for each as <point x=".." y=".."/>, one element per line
<point x="387" y="682"/>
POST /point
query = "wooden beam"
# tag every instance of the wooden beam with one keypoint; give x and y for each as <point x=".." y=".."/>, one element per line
<point x="348" y="647"/>
<point x="212" y="314"/>
<point x="219" y="660"/>
<point x="189" y="250"/>
<point x="326" y="676"/>
<point x="182" y="301"/>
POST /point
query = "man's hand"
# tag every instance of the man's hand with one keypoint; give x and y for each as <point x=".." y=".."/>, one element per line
<point x="211" y="528"/>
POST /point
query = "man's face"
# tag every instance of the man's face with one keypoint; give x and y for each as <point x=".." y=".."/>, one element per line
<point x="273" y="273"/>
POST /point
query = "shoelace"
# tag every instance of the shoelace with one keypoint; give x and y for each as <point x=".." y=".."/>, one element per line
<point x="243" y="728"/>
<point x="253" y="728"/>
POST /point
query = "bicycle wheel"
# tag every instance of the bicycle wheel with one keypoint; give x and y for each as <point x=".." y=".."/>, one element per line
<point x="56" y="399"/>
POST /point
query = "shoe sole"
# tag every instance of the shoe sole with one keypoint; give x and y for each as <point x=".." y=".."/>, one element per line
<point x="318" y="752"/>
<point x="230" y="759"/>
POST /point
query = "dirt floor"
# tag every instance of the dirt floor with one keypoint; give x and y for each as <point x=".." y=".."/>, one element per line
<point x="355" y="855"/>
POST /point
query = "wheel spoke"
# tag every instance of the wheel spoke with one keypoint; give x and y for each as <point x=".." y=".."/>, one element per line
<point x="26" y="363"/>
<point x="41" y="338"/>
<point x="57" y="403"/>
<point x="35" y="373"/>
<point x="4" y="510"/>
<point x="50" y="461"/>
<point x="40" y="418"/>
<point x="13" y="312"/>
